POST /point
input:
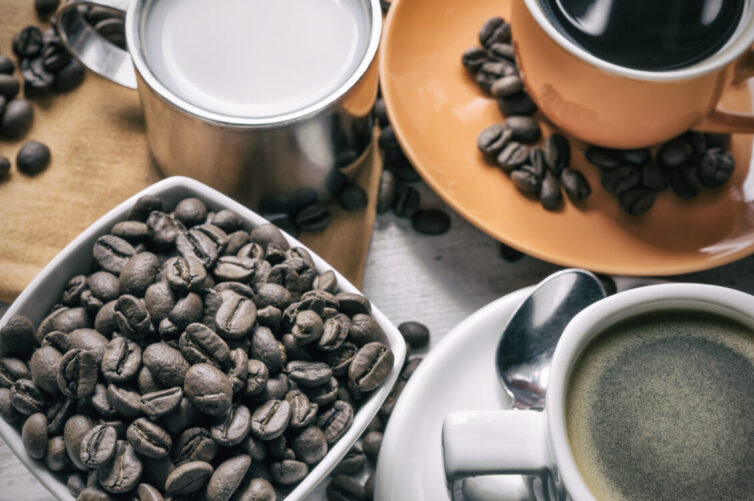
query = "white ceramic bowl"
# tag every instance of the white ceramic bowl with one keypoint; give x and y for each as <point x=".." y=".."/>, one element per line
<point x="76" y="258"/>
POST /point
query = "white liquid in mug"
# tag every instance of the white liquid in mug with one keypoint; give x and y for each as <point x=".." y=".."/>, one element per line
<point x="254" y="58"/>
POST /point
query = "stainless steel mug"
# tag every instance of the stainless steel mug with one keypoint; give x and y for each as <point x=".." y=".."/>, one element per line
<point x="246" y="158"/>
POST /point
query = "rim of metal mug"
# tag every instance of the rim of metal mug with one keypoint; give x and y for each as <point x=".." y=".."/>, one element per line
<point x="737" y="45"/>
<point x="144" y="72"/>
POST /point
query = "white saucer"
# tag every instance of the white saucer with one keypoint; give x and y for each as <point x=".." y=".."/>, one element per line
<point x="459" y="374"/>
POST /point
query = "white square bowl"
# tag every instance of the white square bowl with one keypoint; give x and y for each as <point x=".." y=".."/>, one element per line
<point x="76" y="258"/>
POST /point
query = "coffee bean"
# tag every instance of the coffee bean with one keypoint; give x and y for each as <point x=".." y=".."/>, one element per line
<point x="34" y="435"/>
<point x="335" y="421"/>
<point x="69" y="76"/>
<point x="121" y="360"/>
<point x="507" y="86"/>
<point x="6" y="66"/>
<point x="33" y="158"/>
<point x="636" y="201"/>
<point x="575" y="184"/>
<point x="516" y="104"/>
<point x="13" y="369"/>
<point x="622" y="179"/>
<point x="164" y="229"/>
<point x="406" y="202"/>
<point x="271" y="419"/>
<point x="494" y="30"/>
<point x="76" y="428"/>
<point x="557" y="153"/>
<point x="123" y="472"/>
<point x="387" y="192"/>
<point x="112" y="253"/>
<point x="352" y="462"/>
<point x="717" y="140"/>
<point x="493" y="139"/>
<point x="303" y="412"/>
<point x="37" y="80"/>
<point x="148" y="439"/>
<point x="199" y="344"/>
<point x="473" y="58"/>
<point x="415" y="334"/>
<point x="372" y="442"/>
<point x="7" y="411"/>
<point x="106" y="286"/>
<point x="370" y="366"/>
<point x="161" y="402"/>
<point x="126" y="402"/>
<point x="638" y="157"/>
<point x="232" y="427"/>
<point x="199" y="245"/>
<point x="46" y="7"/>
<point x="310" y="445"/>
<point x="526" y="180"/>
<point x="654" y="177"/>
<point x="715" y="168"/>
<point x="56" y="458"/>
<point x="525" y="129"/>
<point x="344" y="488"/>
<point x="138" y="274"/>
<point x="492" y="71"/>
<point x="369" y="487"/>
<point x="89" y="340"/>
<point x="227" y="478"/>
<point x="77" y="373"/>
<point x="209" y="389"/>
<point x="513" y="156"/>
<point x="98" y="446"/>
<point x="259" y="489"/>
<point x="550" y="195"/>
<point x="17" y="118"/>
<point x="57" y="415"/>
<point x="26" y="397"/>
<point x="604" y="158"/>
<point x="315" y="217"/>
<point x="236" y="317"/>
<point x="353" y="304"/>
<point x="75" y="484"/>
<point x="431" y="222"/>
<point x="308" y="374"/>
<point x="354" y="198"/>
<point x="100" y="402"/>
<point x="190" y="211"/>
<point x="9" y="86"/>
<point x="146" y="492"/>
<point x="132" y="318"/>
<point x="685" y="181"/>
<point x="187" y="310"/>
<point x="674" y="153"/>
<point x="501" y="51"/>
<point x="28" y="42"/>
<point x="185" y="274"/>
<point x="257" y="378"/>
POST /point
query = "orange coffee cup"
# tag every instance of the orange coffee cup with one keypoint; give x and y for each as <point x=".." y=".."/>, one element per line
<point x="615" y="106"/>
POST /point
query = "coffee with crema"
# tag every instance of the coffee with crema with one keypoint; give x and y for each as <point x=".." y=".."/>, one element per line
<point x="661" y="407"/>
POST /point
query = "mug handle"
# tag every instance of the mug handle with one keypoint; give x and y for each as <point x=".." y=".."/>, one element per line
<point x="89" y="47"/>
<point x="477" y="443"/>
<point x="728" y="121"/>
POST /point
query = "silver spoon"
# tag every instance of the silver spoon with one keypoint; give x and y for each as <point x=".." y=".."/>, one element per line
<point x="528" y="341"/>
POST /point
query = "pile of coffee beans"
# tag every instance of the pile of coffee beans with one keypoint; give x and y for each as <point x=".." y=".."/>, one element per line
<point x="539" y="172"/>
<point x="687" y="164"/>
<point x="198" y="358"/>
<point x="108" y="23"/>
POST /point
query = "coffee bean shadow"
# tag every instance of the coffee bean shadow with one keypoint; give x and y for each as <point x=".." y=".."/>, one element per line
<point x="131" y="118"/>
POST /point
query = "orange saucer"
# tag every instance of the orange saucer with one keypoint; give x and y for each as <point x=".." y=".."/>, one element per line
<point x="437" y="112"/>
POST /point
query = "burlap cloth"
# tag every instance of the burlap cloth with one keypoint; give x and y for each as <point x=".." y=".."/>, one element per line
<point x="99" y="158"/>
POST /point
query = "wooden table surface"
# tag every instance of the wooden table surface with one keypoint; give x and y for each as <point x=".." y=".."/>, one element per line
<point x="438" y="281"/>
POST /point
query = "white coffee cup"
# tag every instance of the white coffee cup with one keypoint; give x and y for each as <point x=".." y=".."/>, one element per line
<point x="536" y="443"/>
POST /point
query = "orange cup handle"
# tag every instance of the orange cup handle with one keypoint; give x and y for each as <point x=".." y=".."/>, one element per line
<point x="728" y="121"/>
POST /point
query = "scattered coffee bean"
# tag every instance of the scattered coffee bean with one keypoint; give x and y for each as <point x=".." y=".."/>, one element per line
<point x="654" y="177"/>
<point x="354" y="198"/>
<point x="34" y="435"/>
<point x="685" y="181"/>
<point x="9" y="86"/>
<point x="495" y="30"/>
<point x="550" y="195"/>
<point x="516" y="104"/>
<point x="604" y="158"/>
<point x="638" y="157"/>
<point x="675" y="153"/>
<point x="715" y="168"/>
<point x="17" y="118"/>
<point x="98" y="446"/>
<point x="525" y="129"/>
<point x="371" y="443"/>
<point x="493" y="139"/>
<point x="315" y="217"/>
<point x="431" y="222"/>
<point x="69" y="76"/>
<point x="501" y="51"/>
<point x="526" y="180"/>
<point x="415" y="334"/>
<point x="621" y="179"/>
<point x="575" y="184"/>
<point x="507" y="86"/>
<point x="33" y="158"/>
<point x="473" y="58"/>
<point x="6" y="66"/>
<point x="344" y="488"/>
<point x="557" y="152"/>
<point x="406" y="201"/>
<point x="28" y="42"/>
<point x="492" y="71"/>
<point x="636" y="201"/>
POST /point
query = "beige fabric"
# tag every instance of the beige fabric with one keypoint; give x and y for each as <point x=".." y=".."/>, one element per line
<point x="100" y="158"/>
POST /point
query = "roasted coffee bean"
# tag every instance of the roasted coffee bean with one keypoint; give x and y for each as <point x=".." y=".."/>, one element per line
<point x="98" y="446"/>
<point x="233" y="268"/>
<point x="303" y="197"/>
<point x="525" y="129"/>
<point x="271" y="419"/>
<point x="494" y="30"/>
<point x="186" y="311"/>
<point x="473" y="58"/>
<point x="125" y="401"/>
<point x="62" y="319"/>
<point x="259" y="489"/>
<point x="266" y="234"/>
<point x="336" y="420"/>
<point x="57" y="415"/>
<point x="166" y="364"/>
<point x="121" y="360"/>
<point x="501" y="52"/>
<point x="674" y="153"/>
<point x="146" y="381"/>
<point x="604" y="158"/>
<point x="123" y="472"/>
<point x="288" y="471"/>
<point x="397" y="162"/>
<point x="194" y="444"/>
<point x="6" y="66"/>
<point x="56" y="458"/>
<point x="415" y="334"/>
<point x="717" y="140"/>
<point x="190" y="211"/>
<point x="199" y="245"/>
<point x="284" y="222"/>
<point x="188" y="477"/>
<point x="146" y="492"/>
<point x="365" y="329"/>
<point x="164" y="229"/>
<point x="353" y="198"/>
<point x="310" y="445"/>
<point x="55" y="56"/>
<point x="516" y="104"/>
<point x="185" y="274"/>
<point x="303" y="412"/>
<point x="28" y="42"/>
<point x="69" y="76"/>
<point x="557" y="153"/>
<point x="33" y="158"/>
<point x="17" y="118"/>
<point x="7" y="411"/>
<point x="73" y="289"/>
<point x="236" y="317"/>
<point x="308" y="328"/>
<point x="507" y="86"/>
<point x="17" y="337"/>
<point x="638" y="157"/>
<point x="208" y="388"/>
<point x="370" y="366"/>
<point x="46" y="7"/>
<point x="161" y="402"/>
<point x="252" y="250"/>
<point x="431" y="222"/>
<point x="77" y="373"/>
<point x="406" y="201"/>
<point x="492" y="140"/>
<point x="236" y="241"/>
<point x="371" y="443"/>
<point x="199" y="344"/>
<point x="92" y="494"/>
<point x="654" y="177"/>
<point x="148" y="439"/>
<point x="59" y="341"/>
<point x="315" y="217"/>
<point x="715" y="168"/>
<point x="344" y="488"/>
<point x="387" y="192"/>
<point x="26" y="397"/>
<point x="100" y="402"/>
<point x="137" y="274"/>
<point x="308" y="374"/>
<point x="335" y="182"/>
<point x="352" y="462"/>
<point x="227" y="478"/>
<point x="341" y="357"/>
<point x="74" y="432"/>
<point x="685" y="181"/>
<point x="575" y="184"/>
<point x="620" y="180"/>
<point x="492" y="71"/>
<point x="513" y="156"/>
<point x="159" y="300"/>
<point x="132" y="318"/>
<point x="550" y="195"/>
<point x="37" y="80"/>
<point x="112" y="253"/>
<point x="326" y="281"/>
<point x="232" y="427"/>
<point x="75" y="484"/>
<point x="144" y="206"/>
<point x="526" y="180"/>
<point x="636" y="201"/>
<point x="133" y="231"/>
<point x="13" y="369"/>
<point x="34" y="435"/>
<point x="9" y="86"/>
<point x="257" y="378"/>
<point x="387" y="139"/>
<point x="104" y="285"/>
<point x="324" y="394"/>
<point x="266" y="348"/>
<point x="335" y="332"/>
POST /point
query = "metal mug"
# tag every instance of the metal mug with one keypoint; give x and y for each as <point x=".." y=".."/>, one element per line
<point x="246" y="158"/>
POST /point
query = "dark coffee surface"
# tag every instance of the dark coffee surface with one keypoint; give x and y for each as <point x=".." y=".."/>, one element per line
<point x="655" y="35"/>
<point x="660" y="407"/>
